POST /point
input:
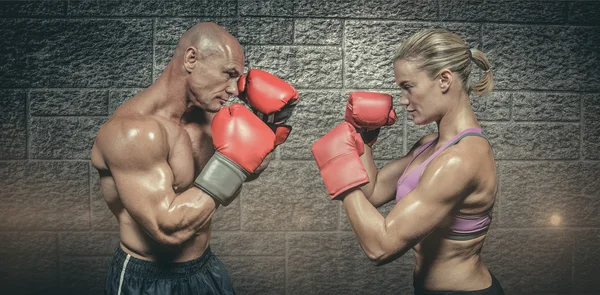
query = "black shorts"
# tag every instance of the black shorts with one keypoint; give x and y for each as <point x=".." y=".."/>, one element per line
<point x="203" y="275"/>
<point x="494" y="289"/>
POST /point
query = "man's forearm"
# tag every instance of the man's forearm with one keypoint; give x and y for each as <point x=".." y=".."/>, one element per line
<point x="184" y="216"/>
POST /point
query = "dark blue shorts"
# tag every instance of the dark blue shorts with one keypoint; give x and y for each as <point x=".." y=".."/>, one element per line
<point x="204" y="275"/>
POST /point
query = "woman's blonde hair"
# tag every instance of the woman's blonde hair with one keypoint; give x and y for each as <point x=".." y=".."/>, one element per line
<point x="433" y="50"/>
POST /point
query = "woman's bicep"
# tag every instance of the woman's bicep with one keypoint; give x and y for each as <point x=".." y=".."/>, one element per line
<point x="387" y="180"/>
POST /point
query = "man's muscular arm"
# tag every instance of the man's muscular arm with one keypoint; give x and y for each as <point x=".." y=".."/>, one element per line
<point x="136" y="153"/>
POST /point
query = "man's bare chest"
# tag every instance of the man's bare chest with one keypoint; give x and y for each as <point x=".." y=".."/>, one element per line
<point x="190" y="150"/>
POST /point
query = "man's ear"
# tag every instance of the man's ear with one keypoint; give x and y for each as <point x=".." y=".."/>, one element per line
<point x="190" y="58"/>
<point x="445" y="80"/>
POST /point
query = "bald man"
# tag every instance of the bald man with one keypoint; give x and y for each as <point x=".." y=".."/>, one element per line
<point x="149" y="156"/>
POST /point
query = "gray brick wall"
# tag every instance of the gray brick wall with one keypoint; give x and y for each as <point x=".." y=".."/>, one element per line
<point x="66" y="65"/>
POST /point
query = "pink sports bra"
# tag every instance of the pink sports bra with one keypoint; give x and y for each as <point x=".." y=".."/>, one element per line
<point x="464" y="227"/>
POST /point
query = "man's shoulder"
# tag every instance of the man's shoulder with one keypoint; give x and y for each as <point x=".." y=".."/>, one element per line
<point x="130" y="128"/>
<point x="129" y="137"/>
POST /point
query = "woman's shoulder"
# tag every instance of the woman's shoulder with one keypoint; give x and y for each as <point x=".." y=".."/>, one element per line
<point x="422" y="141"/>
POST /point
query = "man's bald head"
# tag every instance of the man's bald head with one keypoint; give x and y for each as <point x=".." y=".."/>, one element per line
<point x="210" y="61"/>
<point x="208" y="38"/>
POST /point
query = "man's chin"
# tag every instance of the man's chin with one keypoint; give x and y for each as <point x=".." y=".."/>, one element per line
<point x="214" y="108"/>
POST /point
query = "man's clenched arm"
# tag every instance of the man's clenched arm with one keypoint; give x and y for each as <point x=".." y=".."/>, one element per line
<point x="136" y="153"/>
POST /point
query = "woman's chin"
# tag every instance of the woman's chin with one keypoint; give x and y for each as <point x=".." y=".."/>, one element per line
<point x="420" y="122"/>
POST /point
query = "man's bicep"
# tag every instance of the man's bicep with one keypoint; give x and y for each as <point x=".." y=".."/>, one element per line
<point x="145" y="192"/>
<point x="136" y="155"/>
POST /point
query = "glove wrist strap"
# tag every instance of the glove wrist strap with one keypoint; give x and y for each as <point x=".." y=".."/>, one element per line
<point x="221" y="178"/>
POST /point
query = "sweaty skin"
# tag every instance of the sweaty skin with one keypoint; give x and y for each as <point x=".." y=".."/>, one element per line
<point x="155" y="144"/>
<point x="460" y="180"/>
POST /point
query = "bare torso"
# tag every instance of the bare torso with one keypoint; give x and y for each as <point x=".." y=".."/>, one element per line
<point x="444" y="264"/>
<point x="190" y="147"/>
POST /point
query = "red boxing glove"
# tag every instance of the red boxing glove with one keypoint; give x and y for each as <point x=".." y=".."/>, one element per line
<point x="238" y="135"/>
<point x="368" y="112"/>
<point x="337" y="154"/>
<point x="272" y="100"/>
<point x="242" y="141"/>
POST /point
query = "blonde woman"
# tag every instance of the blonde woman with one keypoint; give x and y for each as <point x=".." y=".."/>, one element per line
<point x="444" y="187"/>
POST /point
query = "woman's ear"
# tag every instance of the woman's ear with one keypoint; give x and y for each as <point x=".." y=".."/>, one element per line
<point x="446" y="78"/>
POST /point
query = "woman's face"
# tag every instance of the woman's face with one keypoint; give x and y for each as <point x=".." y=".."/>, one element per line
<point x="420" y="94"/>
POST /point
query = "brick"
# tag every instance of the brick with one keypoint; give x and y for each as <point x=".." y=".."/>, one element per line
<point x="522" y="141"/>
<point x="590" y="129"/>
<point x="88" y="243"/>
<point x="586" y="261"/>
<point x="303" y="67"/>
<point x="152" y="8"/>
<point x="169" y="30"/>
<point x="588" y="210"/>
<point x="318" y="31"/>
<point x="13" y="53"/>
<point x="44" y="196"/>
<point x="402" y="9"/>
<point x="288" y="196"/>
<point x="493" y="107"/>
<point x="266" y="8"/>
<point x="247" y="244"/>
<point x="530" y="261"/>
<point x="116" y="97"/>
<point x="162" y="57"/>
<point x="333" y="263"/>
<point x="370" y="47"/>
<point x="29" y="263"/>
<point x="584" y="13"/>
<point x="83" y="275"/>
<point x="68" y="102"/>
<point x="545" y="194"/>
<point x="13" y="135"/>
<point x="569" y="61"/>
<point x="228" y="218"/>
<point x="256" y="275"/>
<point x="503" y="11"/>
<point x="546" y="107"/>
<point x="316" y="114"/>
<point x="88" y="53"/>
<point x="265" y="31"/>
<point x="32" y="8"/>
<point x="64" y="137"/>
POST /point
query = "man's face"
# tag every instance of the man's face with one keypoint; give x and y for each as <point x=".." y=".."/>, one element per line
<point x="214" y="79"/>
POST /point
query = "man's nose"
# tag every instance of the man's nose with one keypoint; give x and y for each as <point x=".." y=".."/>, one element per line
<point x="232" y="88"/>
